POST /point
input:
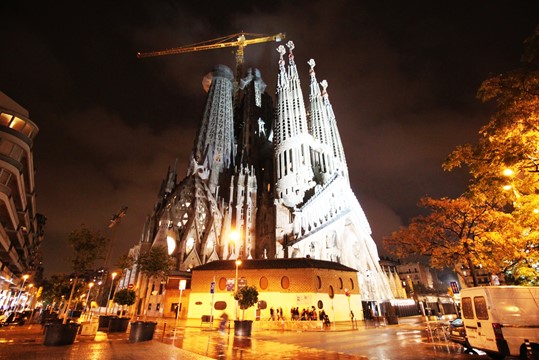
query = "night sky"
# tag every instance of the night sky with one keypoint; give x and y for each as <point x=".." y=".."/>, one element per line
<point x="402" y="81"/>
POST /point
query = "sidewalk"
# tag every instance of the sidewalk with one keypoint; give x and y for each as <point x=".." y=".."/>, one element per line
<point x="170" y="342"/>
<point x="26" y="342"/>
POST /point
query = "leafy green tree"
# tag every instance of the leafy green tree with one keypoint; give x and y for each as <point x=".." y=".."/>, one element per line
<point x="57" y="288"/>
<point x="155" y="265"/>
<point x="88" y="247"/>
<point x="125" y="297"/>
<point x="246" y="296"/>
<point x="125" y="262"/>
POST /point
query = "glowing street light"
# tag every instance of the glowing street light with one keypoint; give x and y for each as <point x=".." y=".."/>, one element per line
<point x="24" y="278"/>
<point x="90" y="285"/>
<point x="238" y="263"/>
<point x="110" y="292"/>
<point x="508" y="172"/>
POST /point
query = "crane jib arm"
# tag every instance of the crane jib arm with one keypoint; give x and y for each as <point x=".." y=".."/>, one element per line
<point x="240" y="43"/>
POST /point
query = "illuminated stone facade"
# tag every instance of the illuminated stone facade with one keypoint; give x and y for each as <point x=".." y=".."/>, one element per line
<point x="266" y="181"/>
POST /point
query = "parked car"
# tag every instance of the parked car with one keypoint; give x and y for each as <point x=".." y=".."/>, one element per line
<point x="457" y="334"/>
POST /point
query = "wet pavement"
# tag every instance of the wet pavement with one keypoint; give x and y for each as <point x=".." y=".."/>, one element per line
<point x="192" y="341"/>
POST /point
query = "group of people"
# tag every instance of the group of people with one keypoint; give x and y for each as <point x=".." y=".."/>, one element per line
<point x="306" y="313"/>
<point x="276" y="314"/>
<point x="297" y="315"/>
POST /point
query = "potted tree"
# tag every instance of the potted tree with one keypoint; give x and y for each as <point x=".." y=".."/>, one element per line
<point x="124" y="262"/>
<point x="154" y="265"/>
<point x="246" y="297"/>
<point x="88" y="246"/>
<point x="122" y="297"/>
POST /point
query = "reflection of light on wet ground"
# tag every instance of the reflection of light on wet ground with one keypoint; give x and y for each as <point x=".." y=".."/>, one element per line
<point x="408" y="332"/>
<point x="231" y="347"/>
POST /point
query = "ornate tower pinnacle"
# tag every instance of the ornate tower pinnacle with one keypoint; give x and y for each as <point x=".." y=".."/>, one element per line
<point x="214" y="146"/>
<point x="334" y="136"/>
<point x="291" y="138"/>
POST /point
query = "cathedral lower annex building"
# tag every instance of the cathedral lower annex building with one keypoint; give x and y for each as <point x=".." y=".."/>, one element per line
<point x="266" y="180"/>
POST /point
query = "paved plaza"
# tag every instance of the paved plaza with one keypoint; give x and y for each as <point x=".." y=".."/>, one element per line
<point x="194" y="341"/>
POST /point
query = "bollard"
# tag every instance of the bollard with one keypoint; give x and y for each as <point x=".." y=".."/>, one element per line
<point x="164" y="330"/>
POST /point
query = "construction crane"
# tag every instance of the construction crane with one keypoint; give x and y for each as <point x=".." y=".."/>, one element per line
<point x="238" y="40"/>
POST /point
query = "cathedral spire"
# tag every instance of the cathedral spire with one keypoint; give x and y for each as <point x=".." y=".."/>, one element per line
<point x="319" y="123"/>
<point x="335" y="138"/>
<point x="323" y="159"/>
<point x="291" y="137"/>
<point x="215" y="142"/>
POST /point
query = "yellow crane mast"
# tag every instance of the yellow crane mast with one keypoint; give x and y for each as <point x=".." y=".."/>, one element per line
<point x="239" y="40"/>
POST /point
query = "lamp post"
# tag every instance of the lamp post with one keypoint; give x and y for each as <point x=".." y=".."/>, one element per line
<point x="90" y="285"/>
<point x="24" y="278"/>
<point x="29" y="298"/>
<point x="238" y="263"/>
<point x="110" y="292"/>
<point x="181" y="287"/>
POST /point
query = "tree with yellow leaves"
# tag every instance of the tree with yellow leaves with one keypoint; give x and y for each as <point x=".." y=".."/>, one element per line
<point x="495" y="224"/>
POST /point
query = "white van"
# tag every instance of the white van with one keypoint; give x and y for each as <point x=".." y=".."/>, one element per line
<point x="502" y="320"/>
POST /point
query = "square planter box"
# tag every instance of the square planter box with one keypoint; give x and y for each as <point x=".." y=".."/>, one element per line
<point x="104" y="322"/>
<point x="243" y="327"/>
<point x="117" y="324"/>
<point x="142" y="331"/>
<point x="60" y="334"/>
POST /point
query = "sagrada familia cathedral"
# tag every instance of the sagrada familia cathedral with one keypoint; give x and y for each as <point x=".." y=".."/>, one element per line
<point x="266" y="180"/>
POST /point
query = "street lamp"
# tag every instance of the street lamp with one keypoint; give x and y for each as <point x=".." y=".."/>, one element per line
<point x="110" y="292"/>
<point x="90" y="285"/>
<point x="29" y="298"/>
<point x="238" y="263"/>
<point x="24" y="278"/>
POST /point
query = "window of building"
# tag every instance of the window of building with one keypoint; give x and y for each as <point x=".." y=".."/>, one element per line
<point x="220" y="305"/>
<point x="285" y="282"/>
<point x="222" y="283"/>
<point x="331" y="292"/>
<point x="351" y="283"/>
<point x="17" y="123"/>
<point x="340" y="283"/>
<point x="5" y="146"/>
<point x="263" y="283"/>
<point x="319" y="282"/>
<point x="5" y="119"/>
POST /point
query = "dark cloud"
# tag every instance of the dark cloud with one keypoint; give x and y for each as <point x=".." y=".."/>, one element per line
<point x="402" y="80"/>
